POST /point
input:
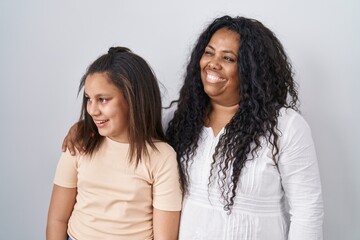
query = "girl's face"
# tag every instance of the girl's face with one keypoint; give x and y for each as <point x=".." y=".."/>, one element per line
<point x="219" y="69"/>
<point x="107" y="107"/>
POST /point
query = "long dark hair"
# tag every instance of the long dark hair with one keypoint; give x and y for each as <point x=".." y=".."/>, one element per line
<point x="266" y="86"/>
<point x="134" y="78"/>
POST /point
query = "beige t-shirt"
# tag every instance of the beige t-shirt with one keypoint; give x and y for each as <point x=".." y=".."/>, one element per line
<point x="115" y="200"/>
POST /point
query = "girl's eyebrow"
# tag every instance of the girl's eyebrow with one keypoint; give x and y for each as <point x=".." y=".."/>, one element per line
<point x="98" y="95"/>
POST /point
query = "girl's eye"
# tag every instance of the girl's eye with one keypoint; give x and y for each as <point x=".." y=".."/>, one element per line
<point x="103" y="100"/>
<point x="87" y="99"/>
<point x="208" y="53"/>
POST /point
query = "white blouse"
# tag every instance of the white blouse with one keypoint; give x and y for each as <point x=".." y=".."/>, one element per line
<point x="281" y="202"/>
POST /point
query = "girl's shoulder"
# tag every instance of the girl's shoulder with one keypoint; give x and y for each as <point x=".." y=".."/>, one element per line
<point x="66" y="156"/>
<point x="162" y="154"/>
<point x="163" y="148"/>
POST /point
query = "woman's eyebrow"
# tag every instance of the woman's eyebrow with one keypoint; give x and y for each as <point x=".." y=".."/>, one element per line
<point x="224" y="51"/>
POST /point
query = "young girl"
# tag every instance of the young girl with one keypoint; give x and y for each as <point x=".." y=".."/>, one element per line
<point x="126" y="184"/>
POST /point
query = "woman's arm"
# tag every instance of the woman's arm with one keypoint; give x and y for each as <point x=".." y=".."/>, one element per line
<point x="70" y="140"/>
<point x="301" y="181"/>
<point x="166" y="224"/>
<point x="61" y="206"/>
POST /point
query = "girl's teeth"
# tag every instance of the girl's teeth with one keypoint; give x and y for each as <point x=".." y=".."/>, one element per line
<point x="100" y="122"/>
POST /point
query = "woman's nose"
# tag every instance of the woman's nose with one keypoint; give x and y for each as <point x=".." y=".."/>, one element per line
<point x="214" y="63"/>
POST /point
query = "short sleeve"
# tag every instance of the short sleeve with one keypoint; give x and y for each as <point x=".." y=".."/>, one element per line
<point x="66" y="171"/>
<point x="167" y="194"/>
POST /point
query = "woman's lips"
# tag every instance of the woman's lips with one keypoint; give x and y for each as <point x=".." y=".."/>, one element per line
<point x="214" y="78"/>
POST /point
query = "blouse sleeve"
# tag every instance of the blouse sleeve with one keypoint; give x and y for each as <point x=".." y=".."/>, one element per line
<point x="301" y="180"/>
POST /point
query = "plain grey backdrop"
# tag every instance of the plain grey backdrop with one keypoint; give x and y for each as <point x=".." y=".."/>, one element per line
<point x="45" y="47"/>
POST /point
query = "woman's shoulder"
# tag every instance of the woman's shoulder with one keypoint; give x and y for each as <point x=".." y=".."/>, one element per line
<point x="289" y="116"/>
<point x="292" y="124"/>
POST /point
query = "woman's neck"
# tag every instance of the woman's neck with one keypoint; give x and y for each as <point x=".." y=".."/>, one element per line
<point x="220" y="115"/>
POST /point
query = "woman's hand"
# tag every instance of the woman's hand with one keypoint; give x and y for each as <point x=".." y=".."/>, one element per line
<point x="70" y="140"/>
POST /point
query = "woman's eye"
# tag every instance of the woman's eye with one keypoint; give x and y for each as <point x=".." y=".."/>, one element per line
<point x="229" y="59"/>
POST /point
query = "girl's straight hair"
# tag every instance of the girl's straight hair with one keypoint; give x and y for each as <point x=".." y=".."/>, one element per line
<point x="136" y="80"/>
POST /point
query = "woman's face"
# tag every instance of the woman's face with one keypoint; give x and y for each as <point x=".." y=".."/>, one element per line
<point x="107" y="107"/>
<point x="219" y="69"/>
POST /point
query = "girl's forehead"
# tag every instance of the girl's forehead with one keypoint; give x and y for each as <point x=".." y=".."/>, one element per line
<point x="97" y="83"/>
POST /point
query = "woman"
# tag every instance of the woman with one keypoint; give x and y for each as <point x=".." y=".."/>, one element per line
<point x="247" y="157"/>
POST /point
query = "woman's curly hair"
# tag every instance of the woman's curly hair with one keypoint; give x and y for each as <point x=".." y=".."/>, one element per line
<point x="266" y="86"/>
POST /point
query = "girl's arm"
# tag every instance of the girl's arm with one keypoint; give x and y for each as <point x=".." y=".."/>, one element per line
<point x="61" y="206"/>
<point x="166" y="224"/>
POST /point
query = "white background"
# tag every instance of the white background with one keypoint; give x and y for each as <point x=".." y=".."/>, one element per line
<point x="45" y="47"/>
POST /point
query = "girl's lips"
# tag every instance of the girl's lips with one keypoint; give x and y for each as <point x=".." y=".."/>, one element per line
<point x="100" y="123"/>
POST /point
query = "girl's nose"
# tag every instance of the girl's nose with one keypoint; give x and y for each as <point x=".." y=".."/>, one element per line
<point x="93" y="109"/>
